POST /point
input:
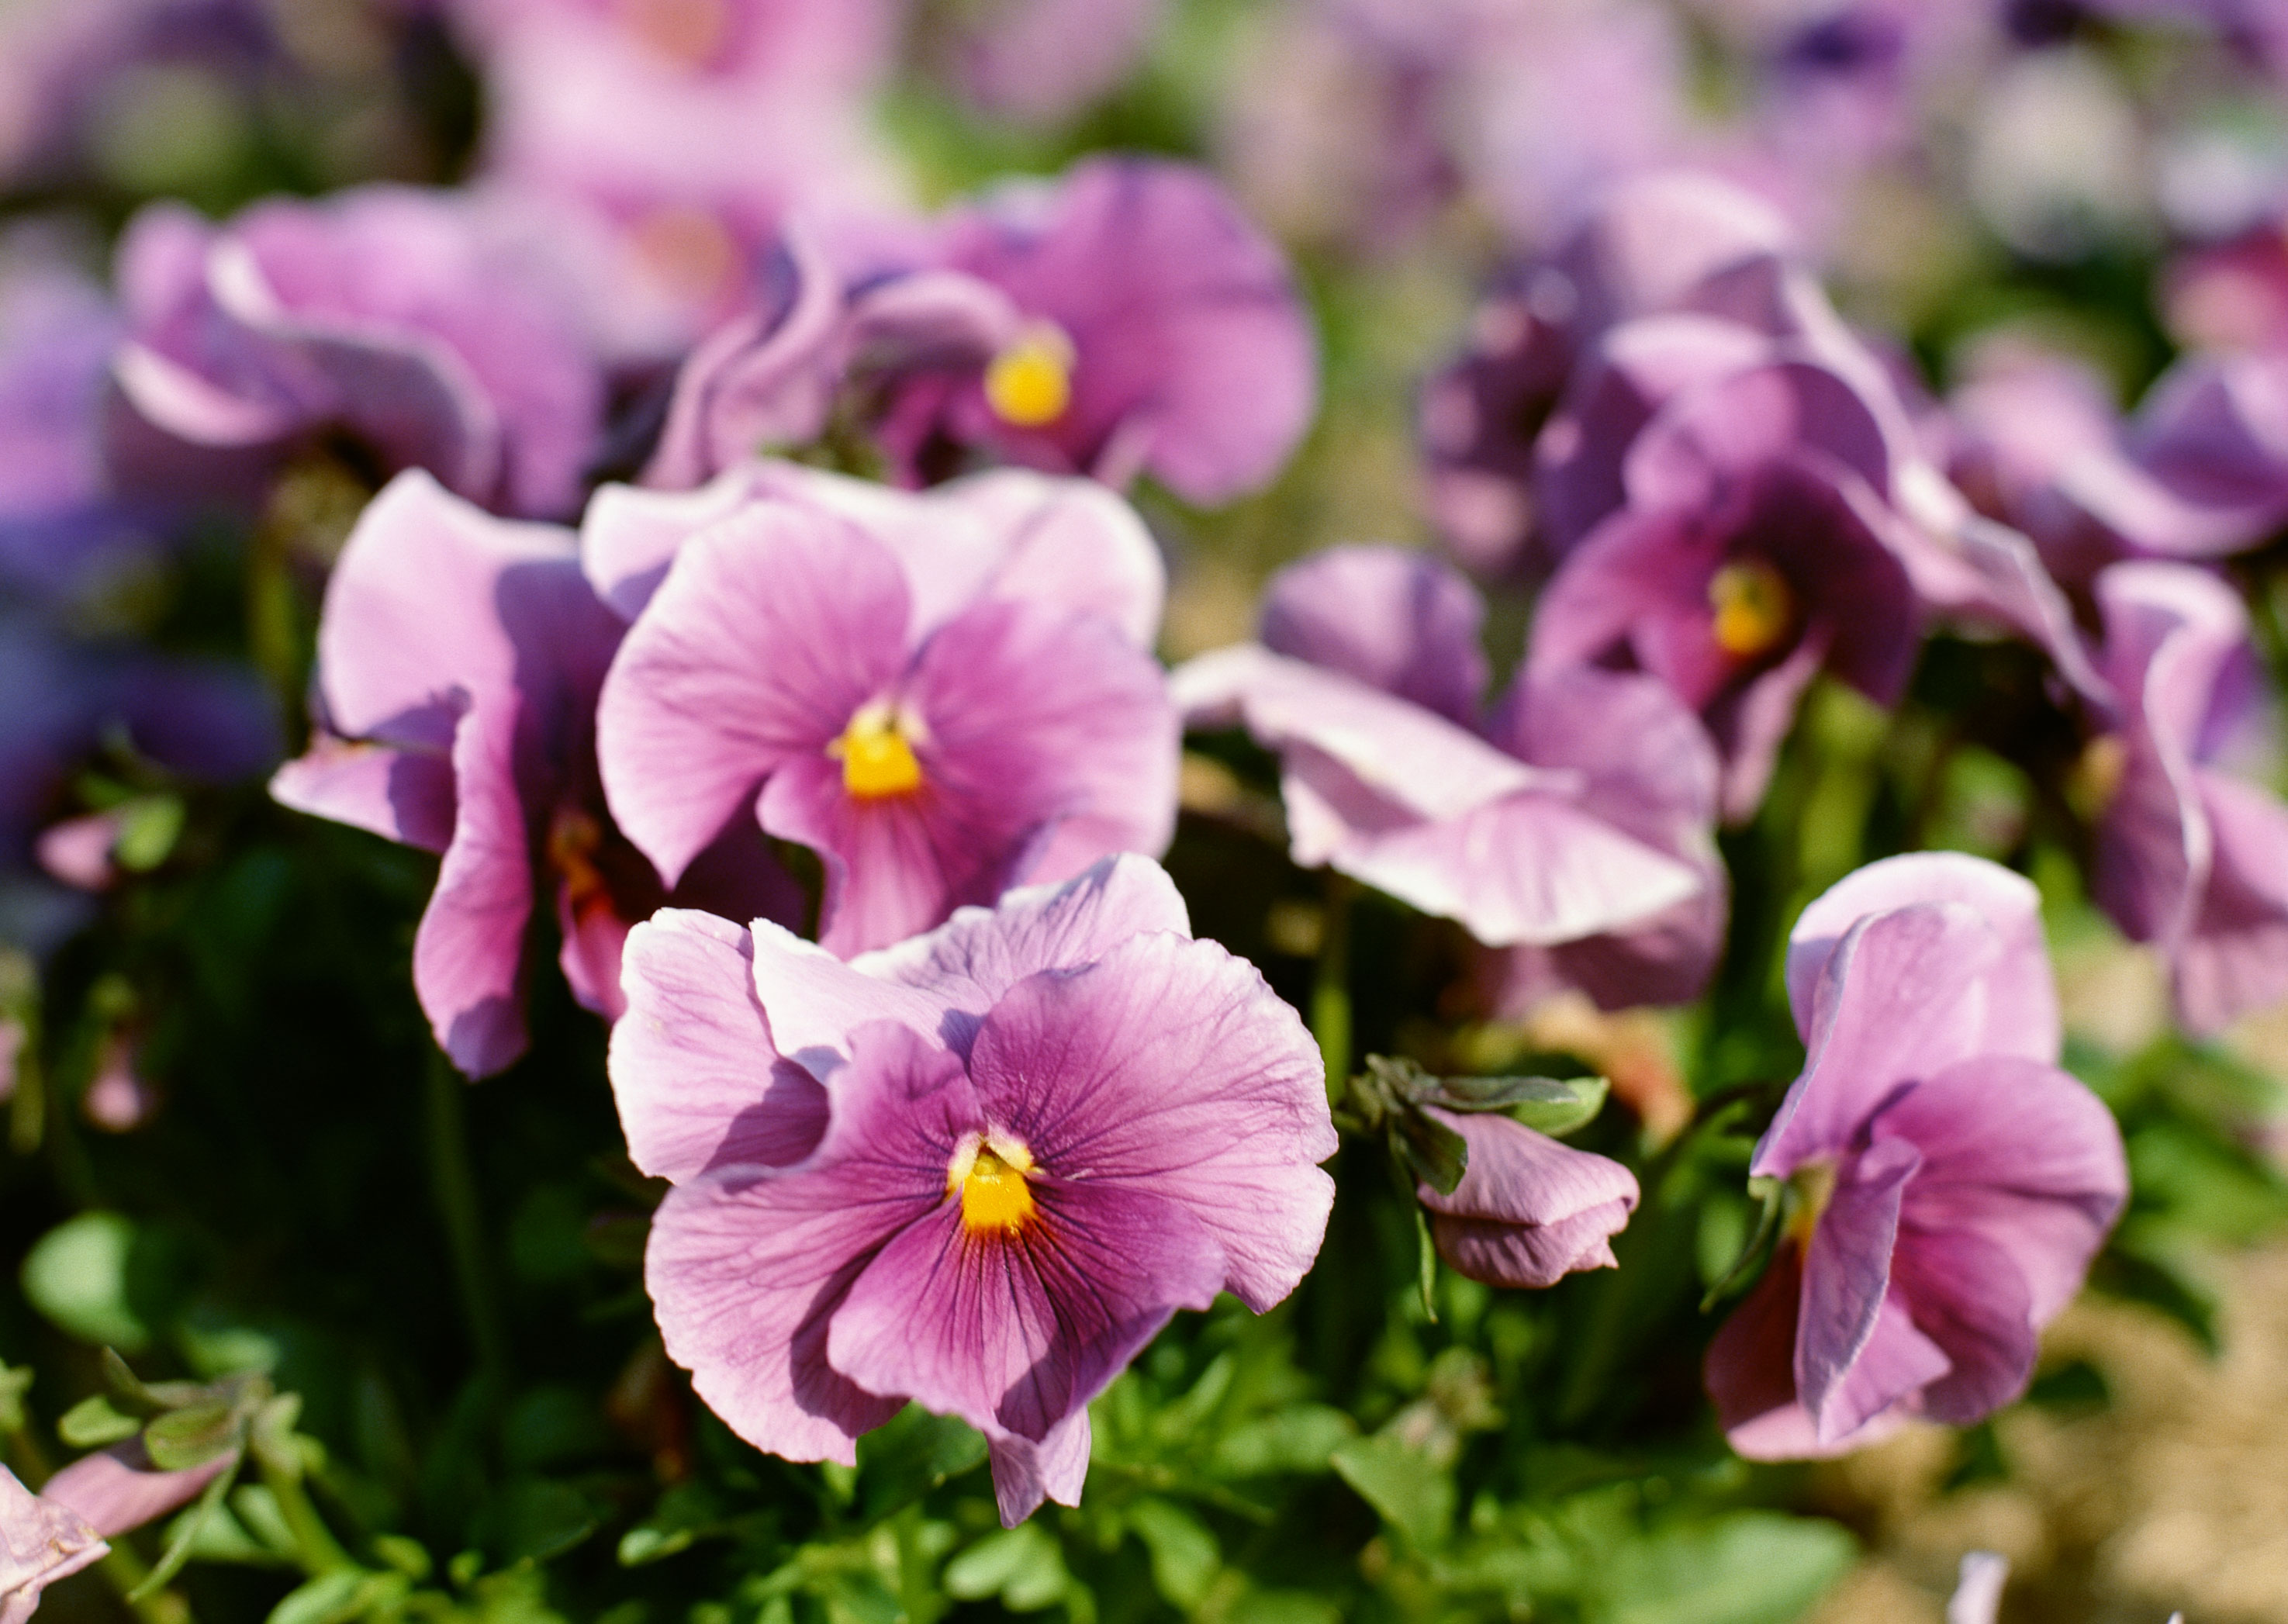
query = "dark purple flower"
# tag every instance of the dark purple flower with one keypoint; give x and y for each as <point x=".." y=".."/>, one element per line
<point x="940" y="694"/>
<point x="1752" y="551"/>
<point x="1950" y="1184"/>
<point x="2190" y="857"/>
<point x="1529" y="1210"/>
<point x="1148" y="329"/>
<point x="1572" y="824"/>
<point x="978" y="1170"/>
<point x="459" y="658"/>
<point x="417" y="324"/>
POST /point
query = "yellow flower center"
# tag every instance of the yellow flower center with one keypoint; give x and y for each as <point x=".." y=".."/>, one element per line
<point x="989" y="1175"/>
<point x="1812" y="1187"/>
<point x="1029" y="383"/>
<point x="875" y="759"/>
<point x="574" y="839"/>
<point x="1754" y="607"/>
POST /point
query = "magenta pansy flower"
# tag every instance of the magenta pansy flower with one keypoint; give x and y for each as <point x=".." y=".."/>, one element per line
<point x="940" y="695"/>
<point x="459" y="657"/>
<point x="1529" y="1210"/>
<point x="1146" y="326"/>
<point x="1950" y="1183"/>
<point x="420" y="324"/>
<point x="979" y="1170"/>
<point x="2191" y="856"/>
<point x="1572" y="821"/>
<point x="1751" y="553"/>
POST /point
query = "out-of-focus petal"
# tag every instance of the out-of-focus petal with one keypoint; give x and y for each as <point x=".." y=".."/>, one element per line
<point x="1395" y="620"/>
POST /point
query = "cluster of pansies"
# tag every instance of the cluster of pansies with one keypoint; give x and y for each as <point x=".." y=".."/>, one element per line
<point x="756" y="593"/>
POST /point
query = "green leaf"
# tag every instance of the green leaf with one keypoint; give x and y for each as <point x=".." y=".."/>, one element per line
<point x="258" y="1512"/>
<point x="1185" y="1557"/>
<point x="192" y="1436"/>
<point x="182" y="1537"/>
<point x="77" y="1275"/>
<point x="1412" y="1492"/>
<point x="1300" y="1439"/>
<point x="1022" y="1564"/>
<point x="914" y="1453"/>
<point x="1754" y="1567"/>
<point x="1769" y="1192"/>
<point x="1429" y="1151"/>
<point x="1426" y="1265"/>
<point x="92" y="1424"/>
<point x="1586" y="1097"/>
<point x="14" y="1383"/>
<point x="148" y="829"/>
<point x="338" y="1596"/>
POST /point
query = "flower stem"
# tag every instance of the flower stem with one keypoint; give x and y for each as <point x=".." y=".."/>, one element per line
<point x="1331" y="989"/>
<point x="315" y="1545"/>
<point x="453" y="1182"/>
<point x="126" y="1573"/>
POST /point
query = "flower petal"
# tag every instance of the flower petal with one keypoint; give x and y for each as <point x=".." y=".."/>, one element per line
<point x="698" y="1081"/>
<point x="468" y="954"/>
<point x="1847" y="1272"/>
<point x="1392" y="618"/>
<point x="1169" y="1065"/>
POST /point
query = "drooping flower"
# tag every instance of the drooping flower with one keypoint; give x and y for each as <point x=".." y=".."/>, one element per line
<point x="41" y="1541"/>
<point x="420" y="326"/>
<point x="1144" y="326"/>
<point x="2191" y="856"/>
<point x="1529" y="1210"/>
<point x="978" y="1170"/>
<point x="1571" y="824"/>
<point x="459" y="658"/>
<point x="941" y="695"/>
<point x="1950" y="1183"/>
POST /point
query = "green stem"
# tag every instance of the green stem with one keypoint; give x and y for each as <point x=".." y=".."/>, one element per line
<point x="453" y="1182"/>
<point x="1331" y="989"/>
<point x="126" y="1573"/>
<point x="319" y="1551"/>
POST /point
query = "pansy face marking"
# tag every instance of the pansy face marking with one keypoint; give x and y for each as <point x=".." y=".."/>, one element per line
<point x="1755" y="608"/>
<point x="1028" y="384"/>
<point x="877" y="758"/>
<point x="990" y="1172"/>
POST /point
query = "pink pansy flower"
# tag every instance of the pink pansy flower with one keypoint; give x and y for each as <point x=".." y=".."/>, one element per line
<point x="2191" y="856"/>
<point x="978" y="1170"/>
<point x="1951" y="1183"/>
<point x="1143" y="325"/>
<point x="940" y="695"/>
<point x="1529" y="1210"/>
<point x="422" y="325"/>
<point x="1570" y="824"/>
<point x="459" y="657"/>
<point x="53" y="1535"/>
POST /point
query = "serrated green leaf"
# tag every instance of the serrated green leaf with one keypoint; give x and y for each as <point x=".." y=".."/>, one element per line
<point x="1412" y="1492"/>
<point x="192" y="1436"/>
<point x="1185" y="1557"/>
<point x="92" y="1423"/>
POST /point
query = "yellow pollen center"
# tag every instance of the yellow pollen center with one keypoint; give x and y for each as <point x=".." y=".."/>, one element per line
<point x="1813" y="1186"/>
<point x="574" y="838"/>
<point x="994" y="1197"/>
<point x="1754" y="607"/>
<point x="877" y="761"/>
<point x="1029" y="383"/>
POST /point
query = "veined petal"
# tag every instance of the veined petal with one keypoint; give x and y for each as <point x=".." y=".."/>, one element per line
<point x="698" y="1081"/>
<point x="468" y="954"/>
<point x="1169" y="1065"/>
<point x="401" y="795"/>
<point x="770" y="631"/>
<point x="1392" y="618"/>
<point x="1846" y="1273"/>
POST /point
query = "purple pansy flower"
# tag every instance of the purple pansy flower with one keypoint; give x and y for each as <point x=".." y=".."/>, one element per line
<point x="1145" y="326"/>
<point x="1953" y="1183"/>
<point x="1572" y="824"/>
<point x="459" y="658"/>
<point x="2190" y="857"/>
<point x="978" y="1170"/>
<point x="1529" y="1210"/>
<point x="940" y="694"/>
<point x="1751" y="553"/>
<point x="418" y="323"/>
